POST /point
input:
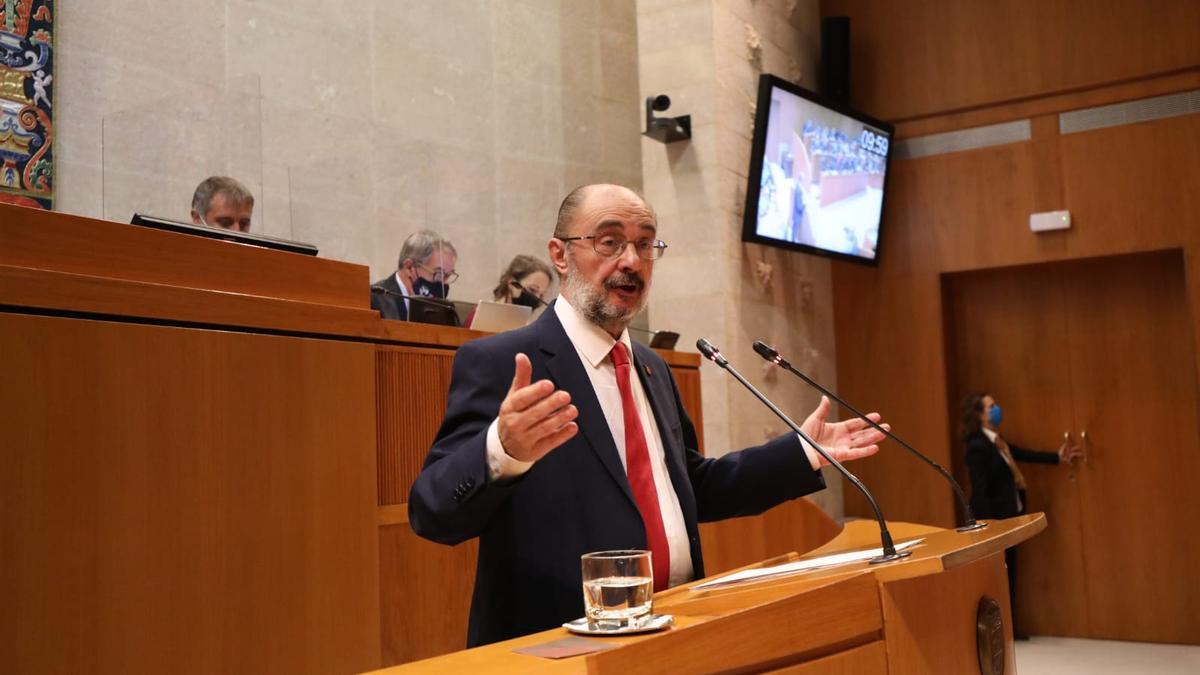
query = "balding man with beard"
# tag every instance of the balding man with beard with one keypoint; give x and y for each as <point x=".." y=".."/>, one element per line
<point x="564" y="438"/>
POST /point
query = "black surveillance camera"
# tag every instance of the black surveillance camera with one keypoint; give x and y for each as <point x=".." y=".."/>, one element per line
<point x="665" y="129"/>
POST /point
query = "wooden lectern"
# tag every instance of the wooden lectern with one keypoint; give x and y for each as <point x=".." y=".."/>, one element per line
<point x="945" y="609"/>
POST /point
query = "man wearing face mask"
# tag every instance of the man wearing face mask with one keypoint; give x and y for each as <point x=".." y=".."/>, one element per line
<point x="997" y="484"/>
<point x="564" y="437"/>
<point x="425" y="268"/>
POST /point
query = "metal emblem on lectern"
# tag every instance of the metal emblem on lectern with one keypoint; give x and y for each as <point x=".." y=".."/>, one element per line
<point x="989" y="636"/>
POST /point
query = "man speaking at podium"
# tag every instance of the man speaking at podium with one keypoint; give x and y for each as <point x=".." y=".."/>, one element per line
<point x="564" y="437"/>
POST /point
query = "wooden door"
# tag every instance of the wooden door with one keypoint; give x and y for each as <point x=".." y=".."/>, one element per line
<point x="1134" y="383"/>
<point x="1008" y="337"/>
<point x="1102" y="346"/>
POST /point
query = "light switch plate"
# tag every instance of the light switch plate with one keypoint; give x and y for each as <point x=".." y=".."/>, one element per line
<point x="1050" y="220"/>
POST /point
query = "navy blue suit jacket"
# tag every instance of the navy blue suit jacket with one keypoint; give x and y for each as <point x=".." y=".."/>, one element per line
<point x="390" y="306"/>
<point x="993" y="487"/>
<point x="577" y="498"/>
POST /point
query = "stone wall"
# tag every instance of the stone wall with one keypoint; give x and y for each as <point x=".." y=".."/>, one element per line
<point x="357" y="121"/>
<point x="707" y="56"/>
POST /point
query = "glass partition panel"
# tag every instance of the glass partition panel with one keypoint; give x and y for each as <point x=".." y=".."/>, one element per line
<point x="155" y="155"/>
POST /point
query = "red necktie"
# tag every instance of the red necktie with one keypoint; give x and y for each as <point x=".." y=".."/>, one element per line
<point x="641" y="477"/>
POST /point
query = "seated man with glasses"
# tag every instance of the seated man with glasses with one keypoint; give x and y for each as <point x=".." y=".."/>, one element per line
<point x="425" y="268"/>
<point x="564" y="437"/>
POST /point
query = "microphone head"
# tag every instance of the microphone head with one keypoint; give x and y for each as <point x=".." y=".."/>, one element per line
<point x="765" y="350"/>
<point x="710" y="352"/>
<point x="769" y="353"/>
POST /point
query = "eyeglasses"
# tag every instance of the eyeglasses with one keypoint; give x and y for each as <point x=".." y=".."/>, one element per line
<point x="613" y="245"/>
<point x="439" y="274"/>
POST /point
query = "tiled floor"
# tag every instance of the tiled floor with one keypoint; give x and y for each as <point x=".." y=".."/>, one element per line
<point x="1069" y="656"/>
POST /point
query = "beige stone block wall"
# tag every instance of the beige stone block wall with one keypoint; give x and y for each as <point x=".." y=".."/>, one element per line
<point x="711" y="284"/>
<point x="373" y="118"/>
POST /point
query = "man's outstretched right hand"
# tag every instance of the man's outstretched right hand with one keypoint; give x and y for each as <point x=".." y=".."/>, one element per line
<point x="534" y="418"/>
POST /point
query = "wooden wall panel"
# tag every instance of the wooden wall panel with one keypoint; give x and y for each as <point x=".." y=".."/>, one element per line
<point x="180" y="500"/>
<point x="1129" y="189"/>
<point x="967" y="210"/>
<point x="885" y="363"/>
<point x="426" y="594"/>
<point x="411" y="385"/>
<point x="927" y="57"/>
<point x="1125" y="187"/>
<point x="795" y="526"/>
<point x="1133" y="188"/>
<point x="688" y="380"/>
<point x="1033" y="108"/>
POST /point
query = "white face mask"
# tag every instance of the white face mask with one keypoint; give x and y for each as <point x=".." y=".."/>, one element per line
<point x="205" y="223"/>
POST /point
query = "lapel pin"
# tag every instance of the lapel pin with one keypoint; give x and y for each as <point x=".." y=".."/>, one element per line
<point x="647" y="369"/>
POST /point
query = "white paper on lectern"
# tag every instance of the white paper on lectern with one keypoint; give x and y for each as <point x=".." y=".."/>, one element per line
<point x="800" y="566"/>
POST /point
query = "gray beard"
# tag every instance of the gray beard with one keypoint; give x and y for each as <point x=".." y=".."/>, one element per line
<point x="590" y="302"/>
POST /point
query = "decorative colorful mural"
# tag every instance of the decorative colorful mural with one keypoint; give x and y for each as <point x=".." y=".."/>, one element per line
<point x="26" y="93"/>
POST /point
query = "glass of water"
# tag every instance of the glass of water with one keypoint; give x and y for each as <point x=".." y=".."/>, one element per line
<point x="617" y="589"/>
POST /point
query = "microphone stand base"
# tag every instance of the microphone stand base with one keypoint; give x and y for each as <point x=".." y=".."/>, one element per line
<point x="977" y="525"/>
<point x="889" y="557"/>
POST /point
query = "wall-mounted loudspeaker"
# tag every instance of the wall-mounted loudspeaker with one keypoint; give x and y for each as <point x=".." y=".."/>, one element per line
<point x="834" y="77"/>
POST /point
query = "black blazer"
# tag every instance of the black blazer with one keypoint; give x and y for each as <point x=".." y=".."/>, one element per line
<point x="993" y="488"/>
<point x="577" y="498"/>
<point x="390" y="306"/>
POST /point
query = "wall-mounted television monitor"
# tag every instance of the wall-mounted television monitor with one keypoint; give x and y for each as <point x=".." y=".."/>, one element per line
<point x="818" y="175"/>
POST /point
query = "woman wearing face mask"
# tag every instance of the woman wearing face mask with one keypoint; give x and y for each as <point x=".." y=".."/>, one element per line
<point x="997" y="485"/>
<point x="525" y="282"/>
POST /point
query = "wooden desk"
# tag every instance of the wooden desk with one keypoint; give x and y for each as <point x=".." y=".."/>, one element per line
<point x="917" y="615"/>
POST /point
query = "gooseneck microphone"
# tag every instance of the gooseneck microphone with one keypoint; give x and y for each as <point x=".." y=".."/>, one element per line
<point x="769" y="353"/>
<point x="889" y="549"/>
<point x="444" y="303"/>
<point x="518" y="286"/>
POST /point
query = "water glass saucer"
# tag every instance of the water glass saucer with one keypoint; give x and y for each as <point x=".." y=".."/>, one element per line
<point x="656" y="622"/>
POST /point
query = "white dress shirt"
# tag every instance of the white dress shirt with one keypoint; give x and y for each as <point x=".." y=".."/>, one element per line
<point x="593" y="345"/>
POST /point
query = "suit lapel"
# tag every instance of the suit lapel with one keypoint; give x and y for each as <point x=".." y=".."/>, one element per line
<point x="568" y="374"/>
<point x="391" y="284"/>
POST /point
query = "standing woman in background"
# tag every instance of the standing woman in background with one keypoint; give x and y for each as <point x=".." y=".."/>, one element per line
<point x="997" y="485"/>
